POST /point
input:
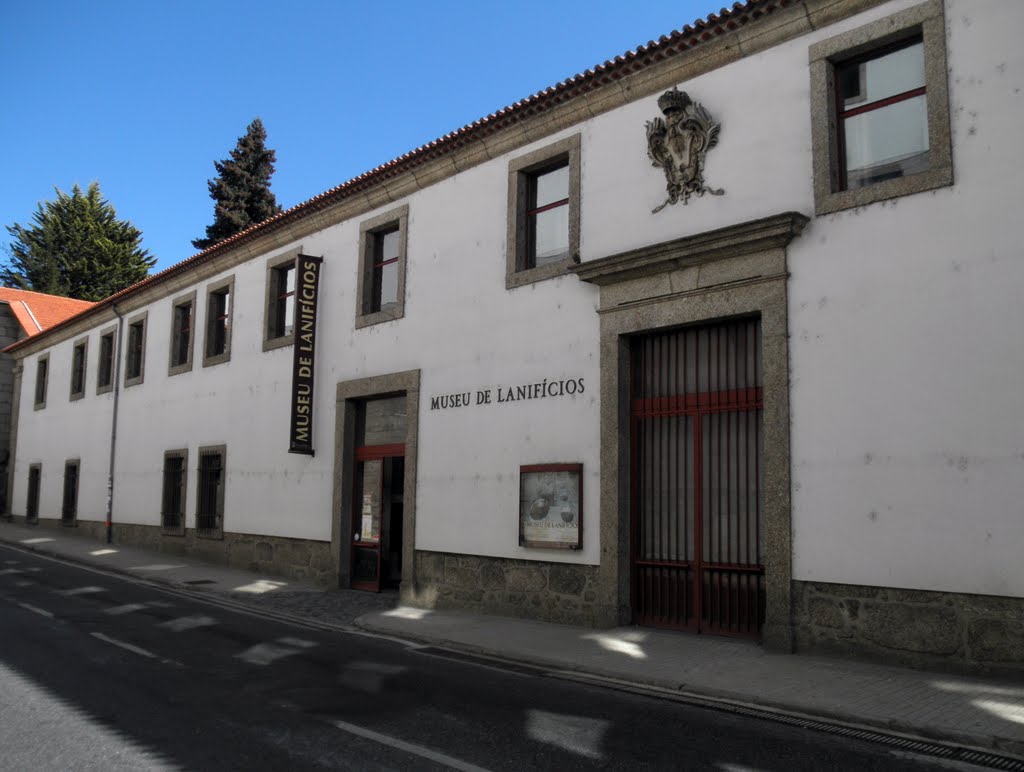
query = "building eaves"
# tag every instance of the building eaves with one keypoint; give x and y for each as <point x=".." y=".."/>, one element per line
<point x="611" y="71"/>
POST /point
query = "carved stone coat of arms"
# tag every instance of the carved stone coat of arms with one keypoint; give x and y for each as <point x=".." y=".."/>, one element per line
<point x="678" y="143"/>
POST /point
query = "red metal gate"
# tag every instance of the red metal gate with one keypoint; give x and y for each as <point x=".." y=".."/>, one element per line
<point x="697" y="535"/>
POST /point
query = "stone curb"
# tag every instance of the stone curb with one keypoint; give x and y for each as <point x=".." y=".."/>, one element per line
<point x="612" y="679"/>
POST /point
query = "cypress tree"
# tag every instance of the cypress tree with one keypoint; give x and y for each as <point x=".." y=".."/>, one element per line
<point x="241" y="192"/>
<point x="76" y="247"/>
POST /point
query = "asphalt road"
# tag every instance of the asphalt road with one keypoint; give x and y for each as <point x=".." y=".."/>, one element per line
<point x="100" y="672"/>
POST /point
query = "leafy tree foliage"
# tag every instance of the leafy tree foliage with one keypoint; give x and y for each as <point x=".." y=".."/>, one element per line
<point x="76" y="247"/>
<point x="241" y="192"/>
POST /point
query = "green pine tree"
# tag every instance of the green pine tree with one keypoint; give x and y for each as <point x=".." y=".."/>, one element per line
<point x="241" y="191"/>
<point x="76" y="247"/>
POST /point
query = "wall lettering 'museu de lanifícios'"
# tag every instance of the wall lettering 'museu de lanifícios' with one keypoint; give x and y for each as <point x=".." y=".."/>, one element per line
<point x="500" y="394"/>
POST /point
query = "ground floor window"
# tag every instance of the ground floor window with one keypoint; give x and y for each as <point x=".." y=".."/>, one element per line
<point x="35" y="473"/>
<point x="69" y="507"/>
<point x="210" y="492"/>
<point x="172" y="510"/>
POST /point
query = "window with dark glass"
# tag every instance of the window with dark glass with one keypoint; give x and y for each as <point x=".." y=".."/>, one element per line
<point x="282" y="299"/>
<point x="218" y="316"/>
<point x="182" y="335"/>
<point x="210" y="492"/>
<point x="172" y="510"/>
<point x="78" y="370"/>
<point x="136" y="349"/>
<point x="69" y="505"/>
<point x="42" y="375"/>
<point x="547" y="216"/>
<point x="883" y="115"/>
<point x="105" y="371"/>
<point x="35" y="472"/>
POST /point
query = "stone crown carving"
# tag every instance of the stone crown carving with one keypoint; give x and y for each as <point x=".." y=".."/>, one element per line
<point x="678" y="143"/>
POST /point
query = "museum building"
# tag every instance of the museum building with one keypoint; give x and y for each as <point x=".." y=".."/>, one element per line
<point x="720" y="336"/>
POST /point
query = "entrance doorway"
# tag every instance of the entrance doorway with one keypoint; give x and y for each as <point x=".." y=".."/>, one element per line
<point x="379" y="505"/>
<point x="697" y="530"/>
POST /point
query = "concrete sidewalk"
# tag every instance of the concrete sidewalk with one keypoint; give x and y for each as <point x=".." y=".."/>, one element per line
<point x="985" y="713"/>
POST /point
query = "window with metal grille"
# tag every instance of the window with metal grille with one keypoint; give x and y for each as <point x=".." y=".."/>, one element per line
<point x="35" y="473"/>
<point x="172" y="510"/>
<point x="42" y="376"/>
<point x="181" y="335"/>
<point x="210" y="492"/>
<point x="218" y="324"/>
<point x="135" y="355"/>
<point x="105" y="369"/>
<point x="69" y="505"/>
<point x="78" y="370"/>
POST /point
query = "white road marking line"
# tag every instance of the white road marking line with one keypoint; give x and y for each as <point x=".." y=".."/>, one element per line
<point x="265" y="653"/>
<point x="82" y="591"/>
<point x="11" y="562"/>
<point x="182" y="624"/>
<point x="9" y="571"/>
<point x="123" y="645"/>
<point x="416" y="750"/>
<point x="41" y="611"/>
<point x="127" y="608"/>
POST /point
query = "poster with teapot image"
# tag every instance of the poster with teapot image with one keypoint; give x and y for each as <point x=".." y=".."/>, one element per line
<point x="551" y="506"/>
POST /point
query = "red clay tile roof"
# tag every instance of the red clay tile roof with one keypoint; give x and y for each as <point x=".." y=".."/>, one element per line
<point x="691" y="36"/>
<point x="36" y="311"/>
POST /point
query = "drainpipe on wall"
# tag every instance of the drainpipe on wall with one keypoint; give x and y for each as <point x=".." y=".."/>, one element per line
<point x="113" y="423"/>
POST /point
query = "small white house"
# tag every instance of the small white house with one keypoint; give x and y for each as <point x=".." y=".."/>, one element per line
<point x="721" y="336"/>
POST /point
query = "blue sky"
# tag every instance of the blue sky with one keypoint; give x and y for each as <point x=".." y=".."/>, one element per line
<point x="143" y="96"/>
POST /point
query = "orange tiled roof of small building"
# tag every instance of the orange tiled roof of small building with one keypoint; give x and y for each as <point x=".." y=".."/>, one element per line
<point x="36" y="311"/>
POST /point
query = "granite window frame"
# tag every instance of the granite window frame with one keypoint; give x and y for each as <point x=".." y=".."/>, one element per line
<point x="42" y="384"/>
<point x="522" y="172"/>
<point x="135" y="371"/>
<point x="79" y="368"/>
<point x="109" y="333"/>
<point x="175" y="364"/>
<point x="370" y="233"/>
<point x="925" y="22"/>
<point x="277" y="268"/>
<point x="224" y="287"/>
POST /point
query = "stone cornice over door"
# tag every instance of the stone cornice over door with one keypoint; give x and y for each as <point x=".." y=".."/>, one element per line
<point x="730" y="272"/>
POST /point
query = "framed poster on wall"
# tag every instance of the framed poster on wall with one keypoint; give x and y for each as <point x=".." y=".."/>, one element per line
<point x="551" y="506"/>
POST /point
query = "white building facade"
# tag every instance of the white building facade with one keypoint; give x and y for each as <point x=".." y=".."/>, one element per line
<point x="784" y="406"/>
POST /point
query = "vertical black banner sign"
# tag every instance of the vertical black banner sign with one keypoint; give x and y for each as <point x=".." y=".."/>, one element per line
<point x="307" y="290"/>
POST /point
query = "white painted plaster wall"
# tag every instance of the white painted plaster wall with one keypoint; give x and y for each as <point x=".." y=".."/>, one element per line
<point x="905" y="354"/>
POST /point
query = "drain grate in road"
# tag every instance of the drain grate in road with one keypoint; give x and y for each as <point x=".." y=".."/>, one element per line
<point x="200" y="581"/>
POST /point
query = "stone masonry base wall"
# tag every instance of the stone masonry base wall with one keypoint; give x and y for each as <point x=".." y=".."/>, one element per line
<point x="301" y="559"/>
<point x="950" y="631"/>
<point x="548" y="592"/>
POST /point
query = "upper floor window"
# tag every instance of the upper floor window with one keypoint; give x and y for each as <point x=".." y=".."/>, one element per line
<point x="280" y="307"/>
<point x="381" y="281"/>
<point x="182" y="320"/>
<point x="135" y="352"/>
<point x="105" y="367"/>
<point x="217" y="347"/>
<point x="543" y="213"/>
<point x="42" y="377"/>
<point x="883" y="131"/>
<point x="78" y="357"/>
